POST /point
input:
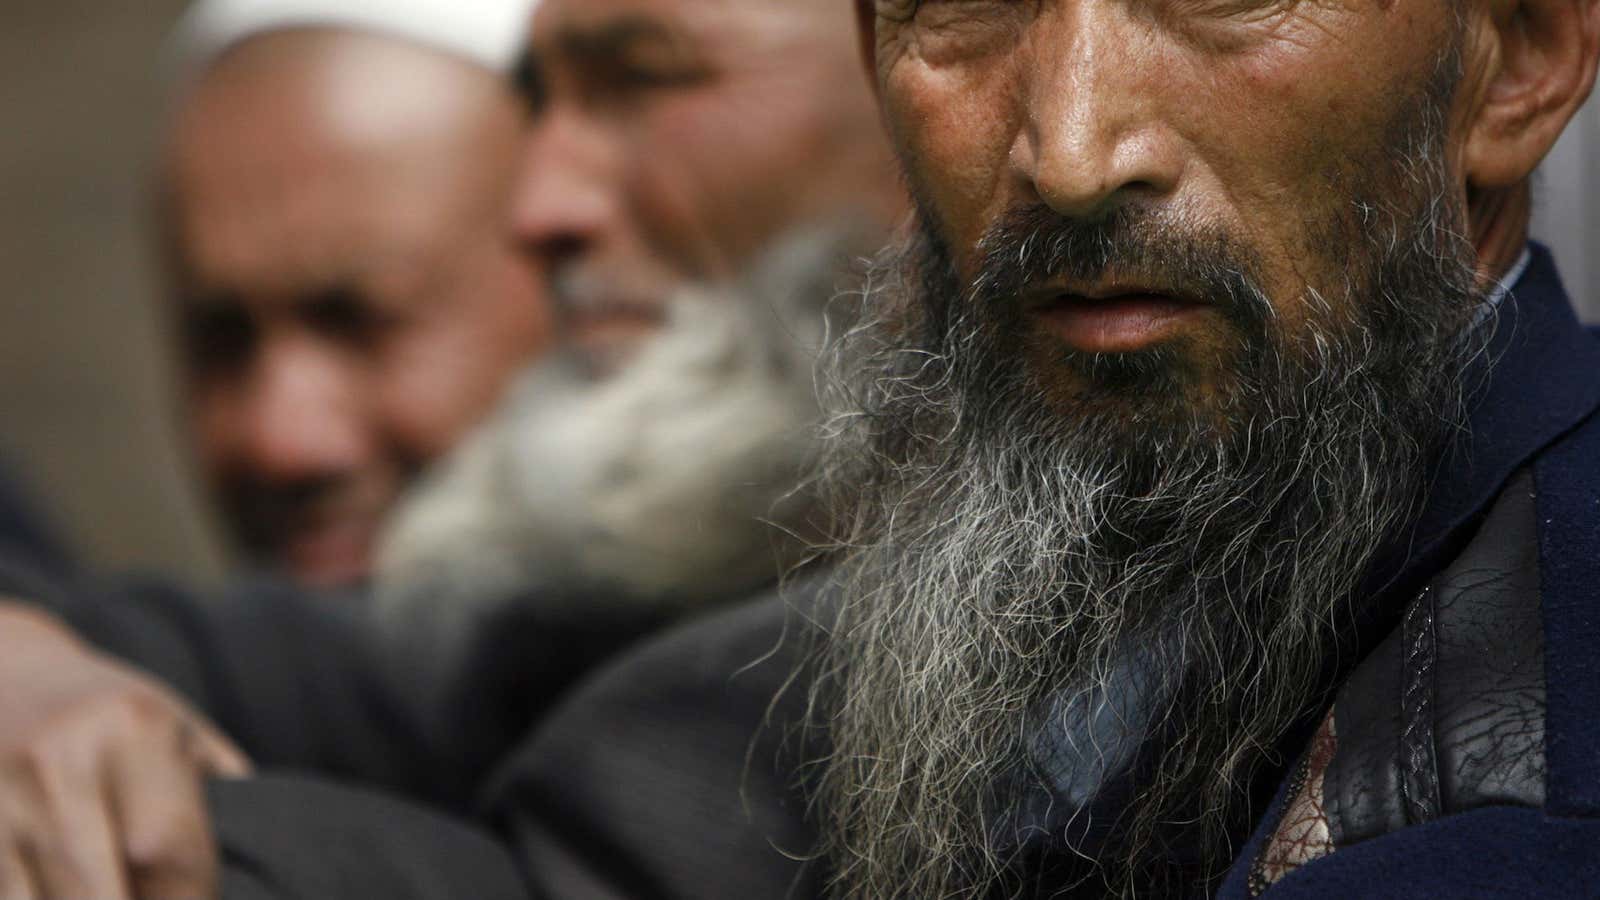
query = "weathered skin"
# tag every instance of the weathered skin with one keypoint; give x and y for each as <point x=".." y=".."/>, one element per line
<point x="1250" y="117"/>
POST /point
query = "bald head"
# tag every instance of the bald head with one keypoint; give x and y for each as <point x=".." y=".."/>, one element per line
<point x="335" y="206"/>
<point x="292" y="131"/>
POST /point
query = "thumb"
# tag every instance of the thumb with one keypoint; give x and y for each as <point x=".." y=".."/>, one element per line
<point x="216" y="755"/>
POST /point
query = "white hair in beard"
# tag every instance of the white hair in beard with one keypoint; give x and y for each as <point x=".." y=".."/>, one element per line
<point x="1034" y="601"/>
<point x="640" y="490"/>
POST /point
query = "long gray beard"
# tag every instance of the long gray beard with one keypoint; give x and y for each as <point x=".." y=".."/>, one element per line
<point x="1033" y="603"/>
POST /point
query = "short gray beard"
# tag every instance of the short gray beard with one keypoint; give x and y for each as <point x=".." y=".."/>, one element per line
<point x="1032" y="603"/>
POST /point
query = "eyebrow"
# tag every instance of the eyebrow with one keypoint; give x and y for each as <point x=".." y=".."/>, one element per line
<point x="616" y="39"/>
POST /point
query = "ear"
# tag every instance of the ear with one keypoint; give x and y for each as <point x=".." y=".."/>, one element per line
<point x="1539" y="58"/>
<point x="867" y="40"/>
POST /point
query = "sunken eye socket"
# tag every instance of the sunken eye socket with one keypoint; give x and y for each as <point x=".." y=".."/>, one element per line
<point x="528" y="81"/>
<point x="345" y="316"/>
<point x="963" y="32"/>
<point x="662" y="75"/>
<point x="632" y="75"/>
<point x="220" y="338"/>
<point x="611" y="80"/>
<point x="906" y="10"/>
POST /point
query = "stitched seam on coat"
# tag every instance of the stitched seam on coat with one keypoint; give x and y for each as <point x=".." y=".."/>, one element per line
<point x="1419" y="772"/>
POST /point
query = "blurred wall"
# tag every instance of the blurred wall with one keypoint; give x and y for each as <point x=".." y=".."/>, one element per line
<point x="1567" y="208"/>
<point x="84" y="408"/>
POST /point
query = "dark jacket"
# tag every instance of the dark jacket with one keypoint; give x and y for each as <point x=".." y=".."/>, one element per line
<point x="1467" y="760"/>
<point x="24" y="531"/>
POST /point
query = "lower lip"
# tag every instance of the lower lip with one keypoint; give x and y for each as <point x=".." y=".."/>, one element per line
<point x="1116" y="325"/>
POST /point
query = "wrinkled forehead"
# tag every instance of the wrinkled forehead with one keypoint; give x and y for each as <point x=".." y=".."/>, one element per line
<point x="1204" y="23"/>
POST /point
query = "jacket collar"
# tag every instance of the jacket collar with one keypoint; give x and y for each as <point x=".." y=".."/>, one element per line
<point x="1541" y="378"/>
<point x="1543" y="382"/>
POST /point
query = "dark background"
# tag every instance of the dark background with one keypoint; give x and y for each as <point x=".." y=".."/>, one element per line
<point x="85" y="397"/>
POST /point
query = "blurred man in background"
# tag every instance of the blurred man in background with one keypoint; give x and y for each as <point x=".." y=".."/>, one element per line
<point x="699" y="181"/>
<point x="335" y="190"/>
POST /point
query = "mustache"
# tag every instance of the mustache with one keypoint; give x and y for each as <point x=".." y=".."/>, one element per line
<point x="1032" y="247"/>
<point x="265" y="514"/>
<point x="576" y="294"/>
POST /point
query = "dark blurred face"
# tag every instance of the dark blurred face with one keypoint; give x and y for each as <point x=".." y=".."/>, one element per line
<point x="349" y="301"/>
<point x="676" y="139"/>
<point x="1232" y="135"/>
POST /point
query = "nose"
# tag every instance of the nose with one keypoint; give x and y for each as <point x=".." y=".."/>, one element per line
<point x="1092" y="139"/>
<point x="302" y="415"/>
<point x="564" y="201"/>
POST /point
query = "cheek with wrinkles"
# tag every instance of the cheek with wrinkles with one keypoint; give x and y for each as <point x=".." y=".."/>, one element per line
<point x="954" y="127"/>
<point x="1269" y="100"/>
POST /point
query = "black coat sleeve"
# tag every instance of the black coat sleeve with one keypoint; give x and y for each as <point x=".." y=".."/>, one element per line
<point x="669" y="775"/>
<point x="286" y="837"/>
<point x="24" y="529"/>
<point x="423" y="704"/>
<point x="672" y="774"/>
<point x="297" y="682"/>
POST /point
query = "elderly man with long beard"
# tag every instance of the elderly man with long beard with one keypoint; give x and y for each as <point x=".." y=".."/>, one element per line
<point x="1214" y="487"/>
<point x="1225" y="469"/>
<point x="1214" y="476"/>
<point x="1224" y="461"/>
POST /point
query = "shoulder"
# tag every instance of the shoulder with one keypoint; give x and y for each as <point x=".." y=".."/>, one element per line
<point x="1446" y="716"/>
<point x="1468" y="734"/>
<point x="1489" y="852"/>
<point x="727" y="665"/>
<point x="671" y="772"/>
<point x="275" y="833"/>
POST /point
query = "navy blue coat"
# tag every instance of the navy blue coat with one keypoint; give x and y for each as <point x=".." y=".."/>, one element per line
<point x="1537" y="417"/>
<point x="24" y="531"/>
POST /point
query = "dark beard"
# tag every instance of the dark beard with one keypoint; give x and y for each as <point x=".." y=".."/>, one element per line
<point x="1042" y="601"/>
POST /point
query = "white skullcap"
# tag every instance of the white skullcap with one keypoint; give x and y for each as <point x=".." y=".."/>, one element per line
<point x="488" y="32"/>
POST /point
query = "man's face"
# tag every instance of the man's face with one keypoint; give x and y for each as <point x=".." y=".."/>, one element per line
<point x="678" y="139"/>
<point x="1244" y="132"/>
<point x="1187" y="323"/>
<point x="349" y="301"/>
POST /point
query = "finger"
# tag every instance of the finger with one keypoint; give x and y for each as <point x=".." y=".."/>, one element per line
<point x="82" y="856"/>
<point x="215" y="754"/>
<point x="164" y="823"/>
<point x="63" y="819"/>
<point x="17" y="881"/>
